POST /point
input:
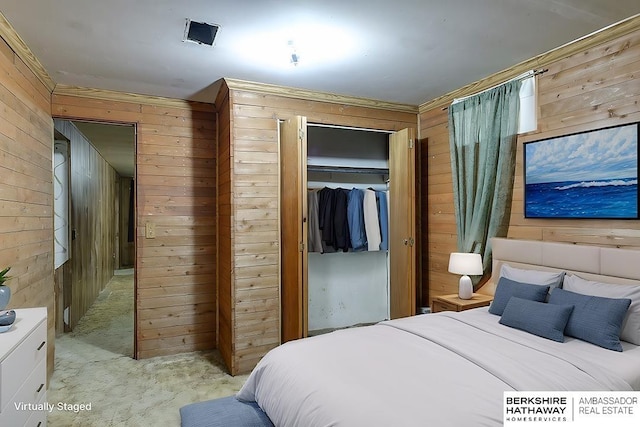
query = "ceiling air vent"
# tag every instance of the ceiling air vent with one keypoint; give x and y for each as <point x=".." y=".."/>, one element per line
<point x="200" y="32"/>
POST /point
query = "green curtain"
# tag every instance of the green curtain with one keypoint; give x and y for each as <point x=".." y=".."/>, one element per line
<point x="482" y="134"/>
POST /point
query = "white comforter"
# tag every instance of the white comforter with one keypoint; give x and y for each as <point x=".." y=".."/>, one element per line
<point x="445" y="369"/>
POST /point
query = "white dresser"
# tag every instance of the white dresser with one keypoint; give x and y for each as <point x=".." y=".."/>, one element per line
<point x="23" y="370"/>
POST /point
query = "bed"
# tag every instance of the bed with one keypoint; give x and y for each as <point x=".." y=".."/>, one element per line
<point x="451" y="369"/>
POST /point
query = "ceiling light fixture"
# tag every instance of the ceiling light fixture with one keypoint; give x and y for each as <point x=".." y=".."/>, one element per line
<point x="295" y="58"/>
<point x="308" y="46"/>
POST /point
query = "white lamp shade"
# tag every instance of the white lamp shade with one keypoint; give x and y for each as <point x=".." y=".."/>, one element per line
<point x="465" y="263"/>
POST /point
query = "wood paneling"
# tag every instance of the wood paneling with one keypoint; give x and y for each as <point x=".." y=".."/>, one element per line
<point x="594" y="88"/>
<point x="175" y="192"/>
<point x="248" y="173"/>
<point x="93" y="219"/>
<point x="25" y="59"/>
<point x="437" y="207"/>
<point x="587" y="88"/>
<point x="557" y="55"/>
<point x="298" y="94"/>
<point x="26" y="188"/>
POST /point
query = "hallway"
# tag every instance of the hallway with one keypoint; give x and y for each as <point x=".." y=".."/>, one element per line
<point x="93" y="365"/>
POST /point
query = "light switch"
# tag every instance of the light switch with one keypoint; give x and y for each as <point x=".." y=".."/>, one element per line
<point x="150" y="230"/>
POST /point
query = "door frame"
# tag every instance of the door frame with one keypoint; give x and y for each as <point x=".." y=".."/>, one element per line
<point x="62" y="274"/>
<point x="134" y="125"/>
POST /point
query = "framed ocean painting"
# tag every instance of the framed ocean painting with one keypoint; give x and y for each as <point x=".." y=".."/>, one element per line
<point x="591" y="174"/>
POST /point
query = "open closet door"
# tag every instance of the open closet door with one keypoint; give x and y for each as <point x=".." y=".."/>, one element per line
<point x="402" y="197"/>
<point x="293" y="235"/>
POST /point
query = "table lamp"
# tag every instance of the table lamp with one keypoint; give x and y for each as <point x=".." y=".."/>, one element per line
<point x="465" y="264"/>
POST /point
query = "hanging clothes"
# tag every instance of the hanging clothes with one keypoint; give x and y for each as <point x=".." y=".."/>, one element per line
<point x="355" y="215"/>
<point x="314" y="238"/>
<point x="340" y="221"/>
<point x="326" y="204"/>
<point x="381" y="198"/>
<point x="371" y="221"/>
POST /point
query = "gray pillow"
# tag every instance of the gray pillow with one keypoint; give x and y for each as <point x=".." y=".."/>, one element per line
<point x="597" y="320"/>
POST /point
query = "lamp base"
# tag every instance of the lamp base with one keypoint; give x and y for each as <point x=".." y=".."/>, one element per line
<point x="465" y="288"/>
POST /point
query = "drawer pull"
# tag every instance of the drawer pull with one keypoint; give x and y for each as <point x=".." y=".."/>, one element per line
<point x="39" y="388"/>
<point x="42" y="345"/>
<point x="39" y="423"/>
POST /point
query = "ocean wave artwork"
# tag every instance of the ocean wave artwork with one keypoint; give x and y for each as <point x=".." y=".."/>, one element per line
<point x="587" y="175"/>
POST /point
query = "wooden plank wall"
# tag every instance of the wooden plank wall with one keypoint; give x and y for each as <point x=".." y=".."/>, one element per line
<point x="254" y="158"/>
<point x="175" y="192"/>
<point x="93" y="202"/>
<point x="590" y="89"/>
<point x="438" y="211"/>
<point x="26" y="188"/>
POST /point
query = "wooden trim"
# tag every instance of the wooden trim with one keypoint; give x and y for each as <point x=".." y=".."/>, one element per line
<point x="20" y="48"/>
<point x="587" y="42"/>
<point x="309" y="95"/>
<point x="134" y="98"/>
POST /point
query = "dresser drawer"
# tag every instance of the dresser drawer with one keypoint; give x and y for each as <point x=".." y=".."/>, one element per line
<point x="38" y="418"/>
<point x="21" y="362"/>
<point x="26" y="399"/>
<point x="439" y="305"/>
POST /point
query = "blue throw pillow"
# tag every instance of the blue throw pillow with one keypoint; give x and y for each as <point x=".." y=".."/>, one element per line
<point x="538" y="318"/>
<point x="597" y="320"/>
<point x="508" y="288"/>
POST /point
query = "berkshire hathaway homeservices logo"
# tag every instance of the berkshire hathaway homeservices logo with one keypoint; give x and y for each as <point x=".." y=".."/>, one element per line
<point x="575" y="408"/>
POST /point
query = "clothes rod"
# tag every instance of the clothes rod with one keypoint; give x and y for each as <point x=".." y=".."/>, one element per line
<point x="347" y="169"/>
<point x="322" y="125"/>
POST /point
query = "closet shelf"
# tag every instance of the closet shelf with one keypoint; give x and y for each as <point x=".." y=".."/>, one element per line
<point x="347" y="169"/>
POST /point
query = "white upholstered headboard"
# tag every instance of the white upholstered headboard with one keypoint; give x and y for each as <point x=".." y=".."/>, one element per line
<point x="602" y="264"/>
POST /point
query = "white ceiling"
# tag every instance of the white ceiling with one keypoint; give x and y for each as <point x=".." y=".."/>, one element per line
<point x="407" y="51"/>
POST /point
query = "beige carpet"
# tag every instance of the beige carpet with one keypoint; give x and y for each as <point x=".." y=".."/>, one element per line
<point x="94" y="366"/>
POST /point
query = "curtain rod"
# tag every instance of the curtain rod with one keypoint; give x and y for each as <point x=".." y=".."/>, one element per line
<point x="521" y="77"/>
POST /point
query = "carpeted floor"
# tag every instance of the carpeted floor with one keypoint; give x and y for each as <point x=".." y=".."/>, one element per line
<point x="93" y="366"/>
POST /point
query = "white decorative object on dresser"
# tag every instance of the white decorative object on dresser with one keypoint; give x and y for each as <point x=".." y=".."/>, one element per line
<point x="23" y="370"/>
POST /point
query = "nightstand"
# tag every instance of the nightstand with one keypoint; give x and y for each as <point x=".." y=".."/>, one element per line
<point x="453" y="303"/>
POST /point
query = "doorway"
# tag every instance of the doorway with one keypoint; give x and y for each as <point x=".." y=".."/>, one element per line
<point x="100" y="268"/>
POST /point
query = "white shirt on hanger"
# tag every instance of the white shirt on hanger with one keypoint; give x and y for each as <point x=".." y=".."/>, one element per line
<point x="371" y="224"/>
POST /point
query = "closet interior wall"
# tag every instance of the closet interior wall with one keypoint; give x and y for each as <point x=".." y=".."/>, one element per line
<point x="347" y="288"/>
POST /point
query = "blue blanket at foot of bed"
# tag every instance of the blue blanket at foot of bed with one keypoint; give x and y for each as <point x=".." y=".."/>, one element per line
<point x="224" y="412"/>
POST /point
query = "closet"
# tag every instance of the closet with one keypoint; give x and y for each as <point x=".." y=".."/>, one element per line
<point x="330" y="289"/>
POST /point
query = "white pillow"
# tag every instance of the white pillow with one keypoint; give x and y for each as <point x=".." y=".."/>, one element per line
<point x="533" y="277"/>
<point x="631" y="326"/>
